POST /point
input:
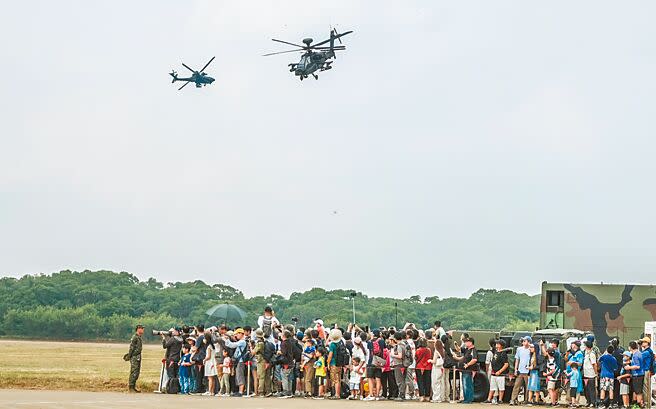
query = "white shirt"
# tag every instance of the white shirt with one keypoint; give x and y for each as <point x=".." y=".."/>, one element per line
<point x="589" y="358"/>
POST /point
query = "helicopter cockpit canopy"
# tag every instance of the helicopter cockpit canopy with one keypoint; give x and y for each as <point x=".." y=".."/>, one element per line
<point x="305" y="60"/>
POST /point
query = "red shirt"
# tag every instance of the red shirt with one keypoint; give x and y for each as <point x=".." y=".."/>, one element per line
<point x="422" y="355"/>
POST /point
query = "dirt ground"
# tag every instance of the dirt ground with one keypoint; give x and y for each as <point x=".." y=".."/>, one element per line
<point x="13" y="398"/>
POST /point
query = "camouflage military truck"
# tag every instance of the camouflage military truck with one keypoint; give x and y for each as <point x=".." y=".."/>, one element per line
<point x="607" y="310"/>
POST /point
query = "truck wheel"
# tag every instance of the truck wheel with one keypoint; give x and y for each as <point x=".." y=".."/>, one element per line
<point x="481" y="387"/>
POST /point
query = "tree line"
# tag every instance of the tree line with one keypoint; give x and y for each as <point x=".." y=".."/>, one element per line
<point x="104" y="305"/>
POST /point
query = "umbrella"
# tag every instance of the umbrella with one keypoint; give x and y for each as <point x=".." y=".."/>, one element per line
<point x="226" y="312"/>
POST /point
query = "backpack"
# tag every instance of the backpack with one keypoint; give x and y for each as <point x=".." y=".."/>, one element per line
<point x="297" y="351"/>
<point x="342" y="356"/>
<point x="376" y="348"/>
<point x="407" y="354"/>
<point x="266" y="326"/>
<point x="173" y="386"/>
<point x="269" y="351"/>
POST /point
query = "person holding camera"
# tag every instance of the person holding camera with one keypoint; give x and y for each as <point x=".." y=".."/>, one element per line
<point x="241" y="348"/>
<point x="134" y="357"/>
<point x="172" y="342"/>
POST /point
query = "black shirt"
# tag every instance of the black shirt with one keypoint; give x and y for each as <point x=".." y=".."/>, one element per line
<point x="469" y="355"/>
<point x="498" y="360"/>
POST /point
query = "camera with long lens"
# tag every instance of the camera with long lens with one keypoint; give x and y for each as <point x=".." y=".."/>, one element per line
<point x="158" y="332"/>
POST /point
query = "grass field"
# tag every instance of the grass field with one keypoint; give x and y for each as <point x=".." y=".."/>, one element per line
<point x="74" y="366"/>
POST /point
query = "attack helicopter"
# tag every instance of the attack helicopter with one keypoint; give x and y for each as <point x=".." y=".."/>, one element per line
<point x="315" y="57"/>
<point x="198" y="77"/>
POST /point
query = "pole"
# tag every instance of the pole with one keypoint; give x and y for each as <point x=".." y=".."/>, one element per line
<point x="396" y="312"/>
<point x="353" y="299"/>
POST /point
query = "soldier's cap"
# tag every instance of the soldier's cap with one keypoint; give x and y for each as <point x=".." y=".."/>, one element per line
<point x="140" y="326"/>
<point x="646" y="339"/>
<point x="259" y="333"/>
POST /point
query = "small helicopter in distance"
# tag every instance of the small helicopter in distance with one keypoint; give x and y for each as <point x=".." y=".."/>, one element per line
<point x="316" y="57"/>
<point x="199" y="77"/>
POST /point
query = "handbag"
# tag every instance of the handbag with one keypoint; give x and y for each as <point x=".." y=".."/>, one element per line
<point x="379" y="362"/>
<point x="439" y="362"/>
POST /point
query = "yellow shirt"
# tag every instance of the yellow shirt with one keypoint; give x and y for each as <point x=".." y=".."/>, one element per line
<point x="320" y="367"/>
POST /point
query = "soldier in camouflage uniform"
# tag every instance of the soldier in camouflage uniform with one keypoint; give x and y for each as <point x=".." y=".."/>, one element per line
<point x="134" y="356"/>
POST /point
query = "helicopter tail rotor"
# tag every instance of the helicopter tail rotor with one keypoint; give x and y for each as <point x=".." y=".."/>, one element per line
<point x="174" y="75"/>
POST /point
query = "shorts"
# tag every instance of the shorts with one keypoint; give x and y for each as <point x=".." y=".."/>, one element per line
<point x="497" y="383"/>
<point x="606" y="384"/>
<point x="321" y="380"/>
<point x="624" y="388"/>
<point x="373" y="372"/>
<point x="552" y="385"/>
<point x="240" y="374"/>
<point x="336" y="375"/>
<point x="637" y="382"/>
<point x="354" y="386"/>
<point x="297" y="371"/>
<point x="573" y="392"/>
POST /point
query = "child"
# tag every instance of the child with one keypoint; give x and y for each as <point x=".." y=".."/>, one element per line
<point x="224" y="367"/>
<point x="574" y="382"/>
<point x="320" y="371"/>
<point x="356" y="377"/>
<point x="608" y="367"/>
<point x="193" y="383"/>
<point x="552" y="373"/>
<point x="185" y="370"/>
<point x="625" y="379"/>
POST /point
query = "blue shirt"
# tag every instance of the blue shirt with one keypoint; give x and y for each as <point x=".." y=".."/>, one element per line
<point x="636" y="360"/>
<point x="523" y="357"/>
<point x="184" y="370"/>
<point x="608" y="366"/>
<point x="647" y="360"/>
<point x="574" y="378"/>
<point x="578" y="358"/>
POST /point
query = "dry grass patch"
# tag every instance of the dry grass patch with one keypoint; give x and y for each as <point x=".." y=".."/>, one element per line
<point x="74" y="366"/>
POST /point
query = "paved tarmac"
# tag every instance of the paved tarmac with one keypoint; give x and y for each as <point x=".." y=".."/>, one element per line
<point x="30" y="399"/>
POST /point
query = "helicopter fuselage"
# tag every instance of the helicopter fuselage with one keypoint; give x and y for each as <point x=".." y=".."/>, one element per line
<point x="312" y="61"/>
<point x="199" y="79"/>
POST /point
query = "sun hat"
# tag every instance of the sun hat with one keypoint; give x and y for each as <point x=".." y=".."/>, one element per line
<point x="335" y="334"/>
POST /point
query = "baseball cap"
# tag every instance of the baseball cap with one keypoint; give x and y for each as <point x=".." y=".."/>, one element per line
<point x="645" y="339"/>
<point x="627" y="353"/>
<point x="527" y="338"/>
<point x="239" y="331"/>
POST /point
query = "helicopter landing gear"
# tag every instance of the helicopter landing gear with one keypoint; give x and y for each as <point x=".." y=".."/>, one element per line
<point x="316" y="77"/>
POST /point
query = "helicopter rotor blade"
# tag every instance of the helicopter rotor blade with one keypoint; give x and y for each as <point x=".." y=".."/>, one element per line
<point x="335" y="48"/>
<point x="336" y="37"/>
<point x="288" y="43"/>
<point x="184" y="85"/>
<point x="283" y="52"/>
<point x="208" y="63"/>
<point x="334" y="30"/>
<point x="187" y="67"/>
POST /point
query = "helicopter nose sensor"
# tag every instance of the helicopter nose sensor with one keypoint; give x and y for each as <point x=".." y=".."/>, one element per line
<point x="307" y="41"/>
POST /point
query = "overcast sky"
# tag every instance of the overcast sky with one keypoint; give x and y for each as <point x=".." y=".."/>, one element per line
<point x="461" y="144"/>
